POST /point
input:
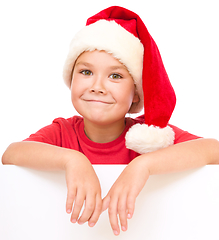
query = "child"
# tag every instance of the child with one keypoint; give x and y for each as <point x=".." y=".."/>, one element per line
<point x="113" y="68"/>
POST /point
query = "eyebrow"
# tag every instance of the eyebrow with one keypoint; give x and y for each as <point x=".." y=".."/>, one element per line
<point x="117" y="67"/>
<point x="84" y="63"/>
<point x="111" y="67"/>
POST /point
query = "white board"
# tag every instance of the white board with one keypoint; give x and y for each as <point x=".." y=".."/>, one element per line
<point x="173" y="206"/>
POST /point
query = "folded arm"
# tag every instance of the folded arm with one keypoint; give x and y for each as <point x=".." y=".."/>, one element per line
<point x="120" y="200"/>
<point x="82" y="182"/>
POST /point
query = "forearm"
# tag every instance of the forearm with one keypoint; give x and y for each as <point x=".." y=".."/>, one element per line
<point x="182" y="156"/>
<point x="38" y="155"/>
<point x="81" y="179"/>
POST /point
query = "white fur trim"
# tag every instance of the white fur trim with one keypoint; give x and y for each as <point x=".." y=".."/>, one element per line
<point x="143" y="138"/>
<point x="113" y="38"/>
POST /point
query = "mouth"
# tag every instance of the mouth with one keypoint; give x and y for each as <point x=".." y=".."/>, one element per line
<point x="97" y="101"/>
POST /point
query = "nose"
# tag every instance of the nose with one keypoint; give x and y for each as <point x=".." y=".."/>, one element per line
<point x="98" y="86"/>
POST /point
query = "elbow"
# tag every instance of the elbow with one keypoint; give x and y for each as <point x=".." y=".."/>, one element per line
<point x="214" y="151"/>
<point x="7" y="157"/>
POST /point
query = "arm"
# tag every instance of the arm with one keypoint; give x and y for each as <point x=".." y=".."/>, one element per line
<point x="183" y="156"/>
<point x="82" y="182"/>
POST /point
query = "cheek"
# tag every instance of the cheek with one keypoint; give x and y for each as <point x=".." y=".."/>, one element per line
<point x="75" y="89"/>
<point x="128" y="93"/>
<point x="76" y="85"/>
<point x="72" y="91"/>
<point x="78" y="88"/>
<point x="75" y="101"/>
<point x="125" y="96"/>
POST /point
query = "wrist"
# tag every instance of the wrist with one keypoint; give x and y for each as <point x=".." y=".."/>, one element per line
<point x="74" y="158"/>
<point x="143" y="162"/>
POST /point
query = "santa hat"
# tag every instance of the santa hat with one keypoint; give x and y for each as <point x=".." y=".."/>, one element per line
<point x="123" y="34"/>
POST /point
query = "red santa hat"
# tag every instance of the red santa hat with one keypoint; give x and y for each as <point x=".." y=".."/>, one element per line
<point x="122" y="33"/>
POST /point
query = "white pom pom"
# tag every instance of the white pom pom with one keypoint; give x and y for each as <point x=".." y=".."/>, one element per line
<point x="143" y="138"/>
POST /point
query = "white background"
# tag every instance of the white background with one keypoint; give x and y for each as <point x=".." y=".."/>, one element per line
<point x="34" y="40"/>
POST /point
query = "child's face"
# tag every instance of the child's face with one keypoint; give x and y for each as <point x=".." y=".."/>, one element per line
<point x="102" y="88"/>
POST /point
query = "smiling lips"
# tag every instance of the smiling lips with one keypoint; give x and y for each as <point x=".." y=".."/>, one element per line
<point x="97" y="101"/>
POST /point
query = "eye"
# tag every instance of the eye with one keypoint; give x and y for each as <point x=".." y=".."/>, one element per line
<point x="115" y="76"/>
<point x="86" y="72"/>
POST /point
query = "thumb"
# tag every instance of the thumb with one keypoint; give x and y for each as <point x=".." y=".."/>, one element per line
<point x="106" y="202"/>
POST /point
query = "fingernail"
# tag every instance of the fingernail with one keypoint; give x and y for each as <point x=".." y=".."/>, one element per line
<point x="115" y="232"/>
<point x="68" y="211"/>
<point x="91" y="224"/>
<point x="123" y="228"/>
<point x="80" y="223"/>
<point x="129" y="216"/>
<point x="73" y="220"/>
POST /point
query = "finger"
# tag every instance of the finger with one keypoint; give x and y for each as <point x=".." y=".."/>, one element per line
<point x="70" y="199"/>
<point x="78" y="204"/>
<point x="130" y="205"/>
<point x="90" y="203"/>
<point x="106" y="202"/>
<point x="97" y="211"/>
<point x="122" y="211"/>
<point x="113" y="216"/>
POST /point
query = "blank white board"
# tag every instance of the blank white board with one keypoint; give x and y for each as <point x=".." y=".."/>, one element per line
<point x="172" y="206"/>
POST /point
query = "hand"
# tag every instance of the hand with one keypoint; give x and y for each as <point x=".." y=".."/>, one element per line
<point x="120" y="200"/>
<point x="83" y="189"/>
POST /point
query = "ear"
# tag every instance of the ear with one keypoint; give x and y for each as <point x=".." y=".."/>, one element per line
<point x="135" y="102"/>
<point x="136" y="98"/>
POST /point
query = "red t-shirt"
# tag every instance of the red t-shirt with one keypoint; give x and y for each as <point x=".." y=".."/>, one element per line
<point x="69" y="133"/>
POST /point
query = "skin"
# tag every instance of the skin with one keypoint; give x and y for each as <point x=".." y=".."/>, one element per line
<point x="102" y="92"/>
<point x="120" y="200"/>
<point x="98" y="97"/>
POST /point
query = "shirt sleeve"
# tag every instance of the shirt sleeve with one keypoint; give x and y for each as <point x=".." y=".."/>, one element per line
<point x="182" y="136"/>
<point x="49" y="134"/>
<point x="62" y="133"/>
